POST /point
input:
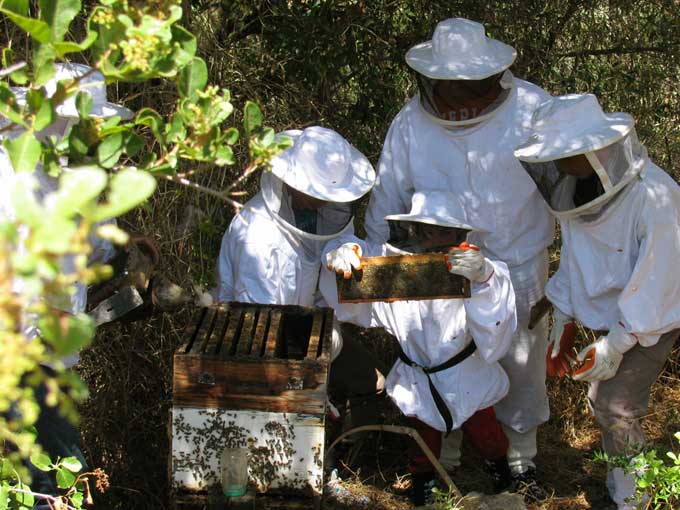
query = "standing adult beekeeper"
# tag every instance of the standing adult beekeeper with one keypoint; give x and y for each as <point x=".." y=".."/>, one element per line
<point x="271" y="251"/>
<point x="458" y="134"/>
<point x="57" y="436"/>
<point x="620" y="222"/>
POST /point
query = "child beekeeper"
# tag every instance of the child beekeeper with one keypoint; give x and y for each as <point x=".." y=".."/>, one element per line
<point x="447" y="375"/>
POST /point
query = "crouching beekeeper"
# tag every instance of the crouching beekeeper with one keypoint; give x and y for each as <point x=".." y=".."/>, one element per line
<point x="271" y="251"/>
<point x="447" y="375"/>
<point x="620" y="220"/>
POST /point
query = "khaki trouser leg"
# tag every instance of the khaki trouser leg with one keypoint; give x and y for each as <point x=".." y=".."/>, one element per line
<point x="620" y="402"/>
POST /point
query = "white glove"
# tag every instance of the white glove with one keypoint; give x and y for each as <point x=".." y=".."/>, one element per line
<point x="603" y="357"/>
<point x="470" y="263"/>
<point x="343" y="259"/>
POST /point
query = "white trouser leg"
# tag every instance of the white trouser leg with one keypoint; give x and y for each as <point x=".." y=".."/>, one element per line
<point x="450" y="456"/>
<point x="621" y="487"/>
<point x="521" y="449"/>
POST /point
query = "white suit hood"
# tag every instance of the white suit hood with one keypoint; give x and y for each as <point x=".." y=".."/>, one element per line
<point x="621" y="266"/>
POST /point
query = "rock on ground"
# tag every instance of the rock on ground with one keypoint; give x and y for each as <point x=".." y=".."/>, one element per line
<point x="497" y="502"/>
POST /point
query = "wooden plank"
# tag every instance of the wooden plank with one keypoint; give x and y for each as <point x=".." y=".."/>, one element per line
<point x="251" y="383"/>
<point x="203" y="332"/>
<point x="230" y="335"/>
<point x="402" y="277"/>
<point x="216" y="338"/>
<point x="246" y="337"/>
<point x="260" y="331"/>
<point x="190" y="331"/>
<point x="315" y="335"/>
<point x="326" y="337"/>
<point x="274" y="335"/>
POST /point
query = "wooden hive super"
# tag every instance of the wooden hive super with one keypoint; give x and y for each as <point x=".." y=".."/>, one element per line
<point x="252" y="376"/>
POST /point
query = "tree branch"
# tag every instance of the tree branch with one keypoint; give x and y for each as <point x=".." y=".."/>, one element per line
<point x="185" y="182"/>
<point x="617" y="50"/>
<point x="54" y="501"/>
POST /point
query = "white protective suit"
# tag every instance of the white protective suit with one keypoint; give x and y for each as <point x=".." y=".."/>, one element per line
<point x="617" y="267"/>
<point x="431" y="332"/>
<point x="618" y="258"/>
<point x="477" y="163"/>
<point x="102" y="250"/>
<point x="265" y="258"/>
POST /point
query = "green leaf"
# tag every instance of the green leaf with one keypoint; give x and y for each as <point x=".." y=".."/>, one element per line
<point x="25" y="205"/>
<point x="224" y="156"/>
<point x="84" y="104"/>
<point x="24" y="152"/>
<point x="110" y="150"/>
<point x="65" y="479"/>
<point x="19" y="7"/>
<point x="37" y="29"/>
<point x="77" y="189"/>
<point x="186" y="45"/>
<point x="133" y="144"/>
<point x="151" y="119"/>
<point x="66" y="333"/>
<point x="72" y="464"/>
<point x="267" y="137"/>
<point x="41" y="461"/>
<point x="8" y="107"/>
<point x="112" y="233"/>
<point x="45" y="116"/>
<point x="25" y="499"/>
<point x="66" y="47"/>
<point x="58" y="14"/>
<point x="128" y="189"/>
<point x="231" y="136"/>
<point x="19" y="77"/>
<point x="54" y="235"/>
<point x="76" y="500"/>
<point x="43" y="63"/>
<point x="192" y="78"/>
<point x="4" y="494"/>
<point x="252" y="117"/>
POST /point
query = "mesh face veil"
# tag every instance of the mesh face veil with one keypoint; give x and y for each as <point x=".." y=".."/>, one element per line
<point x="467" y="101"/>
<point x="416" y="237"/>
<point x="332" y="218"/>
<point x="569" y="196"/>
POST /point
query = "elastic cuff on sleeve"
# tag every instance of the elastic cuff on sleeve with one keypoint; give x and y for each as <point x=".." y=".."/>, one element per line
<point x="489" y="271"/>
<point x="622" y="340"/>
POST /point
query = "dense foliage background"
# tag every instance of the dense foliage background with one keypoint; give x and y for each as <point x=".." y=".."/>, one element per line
<point x="341" y="64"/>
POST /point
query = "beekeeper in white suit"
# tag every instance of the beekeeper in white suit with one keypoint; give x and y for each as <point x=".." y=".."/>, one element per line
<point x="620" y="221"/>
<point x="57" y="435"/>
<point x="271" y="251"/>
<point x="458" y="134"/>
<point x="447" y="375"/>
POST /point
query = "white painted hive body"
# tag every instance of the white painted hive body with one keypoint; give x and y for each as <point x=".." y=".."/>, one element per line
<point x="252" y="376"/>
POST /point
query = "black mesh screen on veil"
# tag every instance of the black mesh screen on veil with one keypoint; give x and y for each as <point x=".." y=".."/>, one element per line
<point x="410" y="236"/>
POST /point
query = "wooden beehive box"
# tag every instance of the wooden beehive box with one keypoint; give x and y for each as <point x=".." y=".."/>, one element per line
<point x="252" y="376"/>
<point x="402" y="277"/>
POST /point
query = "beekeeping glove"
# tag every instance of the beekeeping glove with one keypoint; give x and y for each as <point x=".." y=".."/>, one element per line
<point x="602" y="358"/>
<point x="343" y="259"/>
<point x="467" y="260"/>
